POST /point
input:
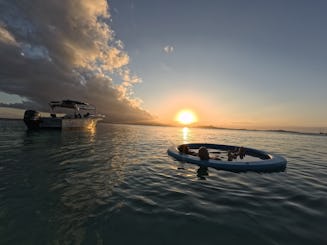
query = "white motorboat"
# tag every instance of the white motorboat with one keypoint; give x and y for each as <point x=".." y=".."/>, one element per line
<point x="77" y="119"/>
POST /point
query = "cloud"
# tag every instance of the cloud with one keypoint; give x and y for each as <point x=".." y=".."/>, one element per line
<point x="7" y="37"/>
<point x="52" y="50"/>
<point x="168" y="49"/>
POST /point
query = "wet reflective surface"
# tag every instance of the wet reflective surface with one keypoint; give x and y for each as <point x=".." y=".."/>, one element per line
<point x="116" y="185"/>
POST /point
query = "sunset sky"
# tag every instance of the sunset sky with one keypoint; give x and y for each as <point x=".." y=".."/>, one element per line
<point x="250" y="64"/>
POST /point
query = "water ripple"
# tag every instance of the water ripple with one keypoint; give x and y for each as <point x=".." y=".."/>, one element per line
<point x="117" y="185"/>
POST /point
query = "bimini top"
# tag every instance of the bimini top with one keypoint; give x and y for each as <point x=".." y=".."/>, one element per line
<point x="254" y="160"/>
<point x="72" y="104"/>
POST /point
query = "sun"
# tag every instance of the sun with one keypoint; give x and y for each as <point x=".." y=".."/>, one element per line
<point x="186" y="117"/>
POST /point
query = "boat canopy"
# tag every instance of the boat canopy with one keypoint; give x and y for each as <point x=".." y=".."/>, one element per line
<point x="72" y="104"/>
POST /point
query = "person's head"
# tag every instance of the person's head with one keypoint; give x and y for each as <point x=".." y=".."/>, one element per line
<point x="203" y="153"/>
<point x="183" y="149"/>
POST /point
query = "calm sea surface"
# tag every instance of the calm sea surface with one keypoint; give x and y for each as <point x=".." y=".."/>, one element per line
<point x="116" y="185"/>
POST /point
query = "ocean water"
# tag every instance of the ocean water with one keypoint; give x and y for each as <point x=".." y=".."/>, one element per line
<point x="117" y="185"/>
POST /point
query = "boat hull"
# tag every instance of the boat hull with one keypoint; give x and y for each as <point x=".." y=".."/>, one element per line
<point x="61" y="123"/>
<point x="68" y="123"/>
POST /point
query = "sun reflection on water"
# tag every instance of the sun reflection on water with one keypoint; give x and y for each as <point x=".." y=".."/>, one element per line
<point x="91" y="130"/>
<point x="185" y="131"/>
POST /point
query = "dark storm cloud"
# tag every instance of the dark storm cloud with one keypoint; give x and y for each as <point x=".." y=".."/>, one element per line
<point x="52" y="50"/>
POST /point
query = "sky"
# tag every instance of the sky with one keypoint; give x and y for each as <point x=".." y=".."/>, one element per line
<point x="244" y="64"/>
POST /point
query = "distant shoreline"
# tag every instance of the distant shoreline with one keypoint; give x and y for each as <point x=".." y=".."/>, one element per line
<point x="201" y="127"/>
<point x="224" y="128"/>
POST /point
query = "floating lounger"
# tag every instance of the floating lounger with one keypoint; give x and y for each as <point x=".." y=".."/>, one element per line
<point x="259" y="161"/>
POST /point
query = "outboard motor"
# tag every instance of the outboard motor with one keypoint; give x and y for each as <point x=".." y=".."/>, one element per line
<point x="32" y="119"/>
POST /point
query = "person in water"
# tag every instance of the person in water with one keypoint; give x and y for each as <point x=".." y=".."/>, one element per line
<point x="241" y="152"/>
<point x="185" y="150"/>
<point x="237" y="152"/>
<point x="203" y="153"/>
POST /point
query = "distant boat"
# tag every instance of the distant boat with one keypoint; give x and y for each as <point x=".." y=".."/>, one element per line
<point x="34" y="120"/>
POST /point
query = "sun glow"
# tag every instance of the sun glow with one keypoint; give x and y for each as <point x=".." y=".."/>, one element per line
<point x="186" y="117"/>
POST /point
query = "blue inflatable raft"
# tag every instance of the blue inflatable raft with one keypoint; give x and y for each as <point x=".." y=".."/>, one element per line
<point x="254" y="160"/>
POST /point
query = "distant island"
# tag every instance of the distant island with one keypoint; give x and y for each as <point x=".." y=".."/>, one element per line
<point x="219" y="128"/>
